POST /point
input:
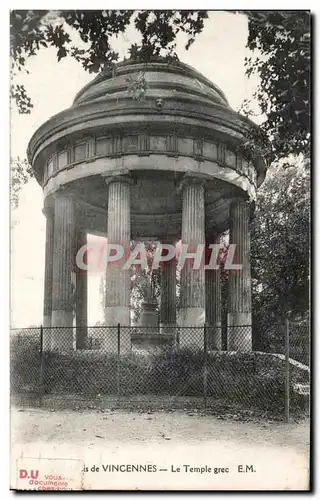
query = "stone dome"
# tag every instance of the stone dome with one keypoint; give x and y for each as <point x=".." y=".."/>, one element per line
<point x="164" y="80"/>
<point x="177" y="99"/>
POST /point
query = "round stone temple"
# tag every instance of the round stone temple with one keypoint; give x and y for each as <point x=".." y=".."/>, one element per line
<point x="147" y="151"/>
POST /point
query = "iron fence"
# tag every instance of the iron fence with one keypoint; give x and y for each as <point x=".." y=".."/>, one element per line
<point x="299" y="341"/>
<point x="182" y="363"/>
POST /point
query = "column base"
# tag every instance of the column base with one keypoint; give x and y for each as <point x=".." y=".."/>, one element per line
<point x="81" y="337"/>
<point x="46" y="344"/>
<point x="117" y="314"/>
<point x="239" y="332"/>
<point x="168" y="328"/>
<point x="214" y="335"/>
<point x="47" y="321"/>
<point x="194" y="318"/>
<point x="62" y="331"/>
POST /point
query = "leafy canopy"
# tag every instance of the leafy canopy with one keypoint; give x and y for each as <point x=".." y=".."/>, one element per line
<point x="280" y="45"/>
<point x="33" y="30"/>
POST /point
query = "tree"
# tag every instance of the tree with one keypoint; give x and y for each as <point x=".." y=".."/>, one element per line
<point x="280" y="42"/>
<point x="20" y="171"/>
<point x="280" y="236"/>
<point x="33" y="30"/>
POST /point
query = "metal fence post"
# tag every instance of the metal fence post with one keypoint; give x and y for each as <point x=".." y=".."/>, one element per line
<point x="118" y="360"/>
<point x="41" y="371"/>
<point x="287" y="371"/>
<point x="205" y="367"/>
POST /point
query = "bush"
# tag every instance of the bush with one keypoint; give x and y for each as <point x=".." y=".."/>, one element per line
<point x="242" y="380"/>
<point x="24" y="363"/>
<point x="175" y="371"/>
<point x="249" y="380"/>
<point x="91" y="374"/>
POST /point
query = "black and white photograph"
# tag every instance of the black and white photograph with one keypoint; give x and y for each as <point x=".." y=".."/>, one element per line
<point x="160" y="249"/>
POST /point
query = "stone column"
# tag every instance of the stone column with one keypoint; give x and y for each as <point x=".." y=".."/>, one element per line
<point x="81" y="298"/>
<point x="48" y="211"/>
<point x="118" y="284"/>
<point x="192" y="280"/>
<point x="168" y="305"/>
<point x="213" y="301"/>
<point x="63" y="290"/>
<point x="239" y="314"/>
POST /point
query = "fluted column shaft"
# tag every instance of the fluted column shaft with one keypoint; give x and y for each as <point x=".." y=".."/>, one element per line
<point x="213" y="301"/>
<point x="81" y="297"/>
<point x="118" y="283"/>
<point x="239" y="313"/>
<point x="192" y="280"/>
<point x="168" y="306"/>
<point x="48" y="274"/>
<point x="64" y="276"/>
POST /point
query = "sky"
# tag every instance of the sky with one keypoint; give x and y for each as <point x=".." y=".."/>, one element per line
<point x="219" y="53"/>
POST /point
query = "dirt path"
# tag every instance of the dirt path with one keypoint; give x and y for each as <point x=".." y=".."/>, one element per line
<point x="277" y="451"/>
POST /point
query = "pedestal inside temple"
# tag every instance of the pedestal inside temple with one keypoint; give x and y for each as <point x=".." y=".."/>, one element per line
<point x="147" y="334"/>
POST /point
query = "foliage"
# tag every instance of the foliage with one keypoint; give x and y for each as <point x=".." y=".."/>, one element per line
<point x="137" y="86"/>
<point x="24" y="362"/>
<point x="33" y="30"/>
<point x="273" y="339"/>
<point x="280" y="42"/>
<point x="20" y="171"/>
<point x="280" y="235"/>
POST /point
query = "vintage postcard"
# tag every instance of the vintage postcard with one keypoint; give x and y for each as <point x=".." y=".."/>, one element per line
<point x="160" y="218"/>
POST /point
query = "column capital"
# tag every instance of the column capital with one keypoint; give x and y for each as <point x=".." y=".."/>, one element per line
<point x="192" y="179"/>
<point x="63" y="192"/>
<point x="48" y="207"/>
<point x="240" y="205"/>
<point x="240" y="200"/>
<point x="123" y="176"/>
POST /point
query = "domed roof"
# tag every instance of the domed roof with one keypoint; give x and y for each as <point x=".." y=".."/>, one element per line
<point x="163" y="79"/>
<point x="158" y="99"/>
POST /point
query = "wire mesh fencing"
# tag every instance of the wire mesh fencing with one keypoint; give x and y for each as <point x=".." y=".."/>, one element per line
<point x="274" y="341"/>
<point x="25" y="359"/>
<point x="299" y="347"/>
<point x="176" y="362"/>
